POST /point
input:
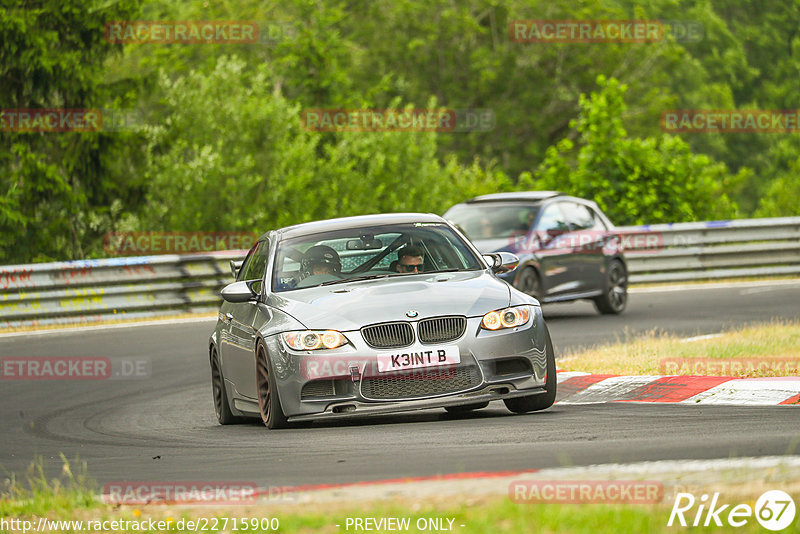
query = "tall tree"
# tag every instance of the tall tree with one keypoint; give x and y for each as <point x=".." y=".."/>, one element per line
<point x="57" y="189"/>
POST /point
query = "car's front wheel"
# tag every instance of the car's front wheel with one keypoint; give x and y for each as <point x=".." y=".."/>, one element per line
<point x="529" y="283"/>
<point x="615" y="291"/>
<point x="268" y="403"/>
<point x="221" y="406"/>
<point x="540" y="401"/>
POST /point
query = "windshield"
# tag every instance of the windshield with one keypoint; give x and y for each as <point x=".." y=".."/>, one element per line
<point x="369" y="252"/>
<point x="492" y="221"/>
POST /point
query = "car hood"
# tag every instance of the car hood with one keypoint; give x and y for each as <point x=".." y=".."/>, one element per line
<point x="349" y="306"/>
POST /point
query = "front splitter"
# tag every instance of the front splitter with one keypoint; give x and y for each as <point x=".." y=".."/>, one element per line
<point x="490" y="393"/>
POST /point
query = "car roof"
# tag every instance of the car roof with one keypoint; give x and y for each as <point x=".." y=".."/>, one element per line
<point x="534" y="198"/>
<point x="523" y="196"/>
<point x="343" y="223"/>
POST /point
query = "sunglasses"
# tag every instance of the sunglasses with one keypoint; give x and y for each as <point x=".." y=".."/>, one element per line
<point x="410" y="268"/>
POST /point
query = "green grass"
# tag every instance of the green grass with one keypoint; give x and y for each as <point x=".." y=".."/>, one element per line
<point x="38" y="495"/>
<point x="647" y="354"/>
<point x="492" y="515"/>
<point x="71" y="496"/>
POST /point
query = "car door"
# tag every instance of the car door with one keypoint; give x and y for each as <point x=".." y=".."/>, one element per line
<point x="588" y="240"/>
<point x="238" y="345"/>
<point x="608" y="243"/>
<point x="226" y="315"/>
<point x="555" y="250"/>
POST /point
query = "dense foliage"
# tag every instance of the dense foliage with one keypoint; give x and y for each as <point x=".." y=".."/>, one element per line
<point x="634" y="180"/>
<point x="224" y="148"/>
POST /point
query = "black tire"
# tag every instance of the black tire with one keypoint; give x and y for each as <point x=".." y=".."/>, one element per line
<point x="540" y="401"/>
<point x="268" y="402"/>
<point x="528" y="282"/>
<point x="467" y="407"/>
<point x="615" y="290"/>
<point x="221" y="405"/>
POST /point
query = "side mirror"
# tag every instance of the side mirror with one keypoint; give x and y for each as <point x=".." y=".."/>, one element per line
<point x="501" y="262"/>
<point x="235" y="266"/>
<point x="241" y="291"/>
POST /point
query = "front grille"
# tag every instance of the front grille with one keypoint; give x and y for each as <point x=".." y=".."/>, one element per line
<point x="388" y="335"/>
<point x="421" y="383"/>
<point x="441" y="329"/>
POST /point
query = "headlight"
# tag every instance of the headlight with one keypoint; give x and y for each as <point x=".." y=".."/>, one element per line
<point x="314" y="339"/>
<point x="506" y="318"/>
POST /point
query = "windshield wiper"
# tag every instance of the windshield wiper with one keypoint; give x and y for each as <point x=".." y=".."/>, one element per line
<point x="356" y="279"/>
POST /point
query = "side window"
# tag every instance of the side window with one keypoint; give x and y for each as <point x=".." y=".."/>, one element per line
<point x="552" y="220"/>
<point x="246" y="263"/>
<point x="578" y="216"/>
<point x="257" y="262"/>
<point x="598" y="222"/>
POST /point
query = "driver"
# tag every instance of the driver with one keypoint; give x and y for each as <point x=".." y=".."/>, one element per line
<point x="410" y="259"/>
<point x="320" y="259"/>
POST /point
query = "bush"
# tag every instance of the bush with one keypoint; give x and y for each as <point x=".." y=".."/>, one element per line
<point x="783" y="195"/>
<point x="635" y="181"/>
<point x="232" y="154"/>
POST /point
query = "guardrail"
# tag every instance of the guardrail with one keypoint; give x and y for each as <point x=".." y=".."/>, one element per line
<point x="133" y="287"/>
<point x="124" y="288"/>
<point x="713" y="250"/>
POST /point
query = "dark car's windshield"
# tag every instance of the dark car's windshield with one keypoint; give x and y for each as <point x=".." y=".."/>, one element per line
<point x="492" y="221"/>
<point x="369" y="252"/>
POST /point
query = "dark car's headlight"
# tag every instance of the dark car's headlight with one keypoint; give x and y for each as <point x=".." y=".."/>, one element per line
<point x="314" y="339"/>
<point x="506" y="318"/>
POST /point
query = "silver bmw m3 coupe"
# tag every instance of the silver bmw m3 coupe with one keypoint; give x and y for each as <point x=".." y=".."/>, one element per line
<point x="375" y="314"/>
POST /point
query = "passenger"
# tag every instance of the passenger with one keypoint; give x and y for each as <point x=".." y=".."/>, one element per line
<point x="320" y="259"/>
<point x="410" y="259"/>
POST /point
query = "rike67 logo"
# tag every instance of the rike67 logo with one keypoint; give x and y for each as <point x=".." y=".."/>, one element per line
<point x="774" y="510"/>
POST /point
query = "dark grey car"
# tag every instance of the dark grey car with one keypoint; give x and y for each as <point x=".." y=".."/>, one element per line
<point x="320" y="324"/>
<point x="568" y="249"/>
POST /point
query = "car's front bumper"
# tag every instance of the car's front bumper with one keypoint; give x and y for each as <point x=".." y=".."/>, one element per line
<point x="359" y="408"/>
<point x="485" y="358"/>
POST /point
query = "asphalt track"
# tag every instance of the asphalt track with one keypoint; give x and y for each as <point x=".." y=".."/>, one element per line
<point x="161" y="427"/>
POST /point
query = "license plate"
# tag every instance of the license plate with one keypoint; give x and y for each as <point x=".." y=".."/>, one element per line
<point x="416" y="357"/>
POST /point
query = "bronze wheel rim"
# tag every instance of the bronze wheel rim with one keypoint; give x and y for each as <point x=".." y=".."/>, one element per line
<point x="262" y="375"/>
